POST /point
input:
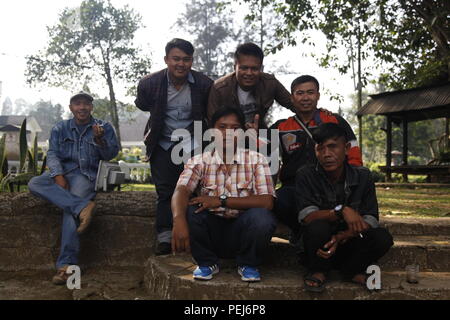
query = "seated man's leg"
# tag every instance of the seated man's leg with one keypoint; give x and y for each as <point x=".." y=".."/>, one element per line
<point x="204" y="233"/>
<point x="45" y="187"/>
<point x="358" y="253"/>
<point x="316" y="234"/>
<point x="251" y="234"/>
<point x="81" y="187"/>
<point x="208" y="241"/>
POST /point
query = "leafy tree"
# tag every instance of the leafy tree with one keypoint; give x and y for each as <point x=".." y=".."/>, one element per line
<point x="7" y="107"/>
<point x="211" y="26"/>
<point x="407" y="39"/>
<point x="93" y="40"/>
<point x="22" y="107"/>
<point x="47" y="115"/>
<point x="261" y="24"/>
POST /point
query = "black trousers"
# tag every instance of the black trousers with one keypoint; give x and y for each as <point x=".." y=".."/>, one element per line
<point x="285" y="208"/>
<point x="350" y="258"/>
<point x="245" y="238"/>
<point x="165" y="175"/>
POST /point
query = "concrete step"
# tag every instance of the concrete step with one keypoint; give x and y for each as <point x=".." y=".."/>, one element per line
<point x="170" y="277"/>
<point x="431" y="253"/>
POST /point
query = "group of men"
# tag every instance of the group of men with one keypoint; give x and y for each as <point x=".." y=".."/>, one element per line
<point x="222" y="202"/>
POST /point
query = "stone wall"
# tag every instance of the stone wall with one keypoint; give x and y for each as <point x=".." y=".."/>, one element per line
<point x="121" y="234"/>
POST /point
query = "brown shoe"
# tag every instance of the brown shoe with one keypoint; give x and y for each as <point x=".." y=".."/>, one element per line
<point x="60" y="278"/>
<point x="86" y="217"/>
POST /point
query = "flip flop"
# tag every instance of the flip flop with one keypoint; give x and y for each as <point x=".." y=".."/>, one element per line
<point x="320" y="284"/>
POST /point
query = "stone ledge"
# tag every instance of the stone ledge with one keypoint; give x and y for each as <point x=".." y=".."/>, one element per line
<point x="121" y="234"/>
<point x="170" y="277"/>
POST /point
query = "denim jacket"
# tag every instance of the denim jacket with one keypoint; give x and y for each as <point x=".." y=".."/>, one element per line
<point x="70" y="149"/>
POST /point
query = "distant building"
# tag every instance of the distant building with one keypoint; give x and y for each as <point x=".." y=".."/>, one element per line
<point x="132" y="131"/>
<point x="10" y="125"/>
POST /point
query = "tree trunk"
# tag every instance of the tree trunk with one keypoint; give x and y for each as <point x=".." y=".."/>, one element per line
<point x="112" y="98"/>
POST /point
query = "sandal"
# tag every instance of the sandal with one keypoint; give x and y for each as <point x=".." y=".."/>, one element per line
<point x="320" y="283"/>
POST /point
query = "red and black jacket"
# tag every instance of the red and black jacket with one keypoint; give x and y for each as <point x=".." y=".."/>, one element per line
<point x="297" y="148"/>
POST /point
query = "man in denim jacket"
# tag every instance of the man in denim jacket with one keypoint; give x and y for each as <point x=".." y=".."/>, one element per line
<point x="75" y="148"/>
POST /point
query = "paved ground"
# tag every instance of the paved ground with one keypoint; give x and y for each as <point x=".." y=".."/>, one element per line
<point x="96" y="284"/>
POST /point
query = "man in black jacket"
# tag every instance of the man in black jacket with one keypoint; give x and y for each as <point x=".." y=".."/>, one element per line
<point x="338" y="209"/>
<point x="175" y="97"/>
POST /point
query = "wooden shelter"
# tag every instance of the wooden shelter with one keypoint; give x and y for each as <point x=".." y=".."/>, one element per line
<point x="403" y="107"/>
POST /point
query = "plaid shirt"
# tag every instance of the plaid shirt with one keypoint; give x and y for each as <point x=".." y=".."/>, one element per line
<point x="207" y="175"/>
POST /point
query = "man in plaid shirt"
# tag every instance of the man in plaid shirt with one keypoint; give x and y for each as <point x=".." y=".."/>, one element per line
<point x="230" y="215"/>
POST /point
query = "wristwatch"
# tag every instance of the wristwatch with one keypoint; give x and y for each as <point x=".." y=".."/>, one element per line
<point x="338" y="211"/>
<point x="223" y="199"/>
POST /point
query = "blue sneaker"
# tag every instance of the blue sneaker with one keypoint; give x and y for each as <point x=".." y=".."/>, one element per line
<point x="205" y="273"/>
<point x="249" y="274"/>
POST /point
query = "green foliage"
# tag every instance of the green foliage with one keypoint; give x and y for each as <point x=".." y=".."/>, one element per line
<point x="95" y="39"/>
<point x="23" y="145"/>
<point x="47" y="115"/>
<point x="377" y="174"/>
<point x="211" y="27"/>
<point x="8" y="180"/>
<point x="7" y="107"/>
<point x="3" y="160"/>
<point x="407" y="40"/>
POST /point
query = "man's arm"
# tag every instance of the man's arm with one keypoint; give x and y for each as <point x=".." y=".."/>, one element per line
<point x="142" y="101"/>
<point x="329" y="215"/>
<point x="308" y="203"/>
<point x="369" y="204"/>
<point x="187" y="183"/>
<point x="282" y="96"/>
<point x="214" y="103"/>
<point x="180" y="230"/>
<point x="240" y="203"/>
<point x="105" y="140"/>
<point x="53" y="161"/>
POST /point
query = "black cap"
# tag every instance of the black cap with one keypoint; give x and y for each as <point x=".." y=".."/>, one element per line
<point x="82" y="94"/>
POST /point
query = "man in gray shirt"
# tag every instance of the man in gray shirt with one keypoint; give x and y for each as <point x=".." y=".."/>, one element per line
<point x="175" y="97"/>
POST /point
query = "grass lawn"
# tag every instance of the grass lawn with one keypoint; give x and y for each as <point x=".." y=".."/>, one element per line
<point x="138" y="187"/>
<point x="420" y="202"/>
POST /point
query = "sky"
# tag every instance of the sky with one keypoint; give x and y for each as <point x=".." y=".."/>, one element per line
<point x="23" y="32"/>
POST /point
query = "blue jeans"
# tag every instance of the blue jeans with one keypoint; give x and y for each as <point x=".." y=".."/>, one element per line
<point x="72" y="201"/>
<point x="245" y="238"/>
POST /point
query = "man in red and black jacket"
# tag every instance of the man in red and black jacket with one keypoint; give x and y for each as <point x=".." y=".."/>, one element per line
<point x="297" y="145"/>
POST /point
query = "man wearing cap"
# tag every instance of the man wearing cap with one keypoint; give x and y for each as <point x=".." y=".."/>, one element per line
<point x="175" y="97"/>
<point x="76" y="147"/>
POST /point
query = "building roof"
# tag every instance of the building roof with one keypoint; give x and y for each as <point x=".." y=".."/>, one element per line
<point x="8" y="122"/>
<point x="411" y="104"/>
